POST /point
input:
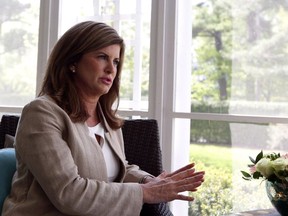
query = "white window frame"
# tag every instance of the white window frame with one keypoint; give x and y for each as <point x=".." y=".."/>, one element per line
<point x="48" y="35"/>
<point x="164" y="66"/>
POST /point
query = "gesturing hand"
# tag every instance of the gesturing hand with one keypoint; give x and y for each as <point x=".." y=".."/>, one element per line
<point x="168" y="186"/>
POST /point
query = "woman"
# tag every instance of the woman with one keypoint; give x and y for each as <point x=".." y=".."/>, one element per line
<point x="69" y="143"/>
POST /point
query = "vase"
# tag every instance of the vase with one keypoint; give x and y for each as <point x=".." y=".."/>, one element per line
<point x="278" y="196"/>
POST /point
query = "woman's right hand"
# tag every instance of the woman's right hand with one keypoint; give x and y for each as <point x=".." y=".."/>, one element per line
<point x="168" y="186"/>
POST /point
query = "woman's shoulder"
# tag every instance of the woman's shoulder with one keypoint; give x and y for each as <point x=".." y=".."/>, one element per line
<point x="43" y="105"/>
<point x="42" y="102"/>
<point x="42" y="99"/>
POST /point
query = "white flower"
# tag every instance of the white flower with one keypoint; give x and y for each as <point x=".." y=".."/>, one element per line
<point x="264" y="166"/>
<point x="280" y="164"/>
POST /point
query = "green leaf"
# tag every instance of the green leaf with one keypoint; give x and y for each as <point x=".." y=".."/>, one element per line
<point x="245" y="174"/>
<point x="259" y="157"/>
<point x="257" y="175"/>
<point x="247" y="179"/>
<point x="252" y="160"/>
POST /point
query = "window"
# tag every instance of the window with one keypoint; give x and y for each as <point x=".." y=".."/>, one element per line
<point x="238" y="96"/>
<point x="18" y="50"/>
<point x="212" y="72"/>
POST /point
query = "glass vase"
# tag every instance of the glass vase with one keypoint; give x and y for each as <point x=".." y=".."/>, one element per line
<point x="278" y="196"/>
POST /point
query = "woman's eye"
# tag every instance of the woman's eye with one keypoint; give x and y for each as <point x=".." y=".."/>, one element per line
<point x="116" y="62"/>
<point x="106" y="58"/>
<point x="102" y="57"/>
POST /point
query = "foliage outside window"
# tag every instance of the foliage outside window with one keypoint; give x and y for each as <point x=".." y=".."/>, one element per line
<point x="239" y="69"/>
<point x="18" y="51"/>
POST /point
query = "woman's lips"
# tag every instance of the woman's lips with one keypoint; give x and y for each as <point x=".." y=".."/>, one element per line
<point x="106" y="80"/>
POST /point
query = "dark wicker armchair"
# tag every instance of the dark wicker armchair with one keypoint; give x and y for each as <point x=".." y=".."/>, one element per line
<point x="141" y="138"/>
<point x="8" y="125"/>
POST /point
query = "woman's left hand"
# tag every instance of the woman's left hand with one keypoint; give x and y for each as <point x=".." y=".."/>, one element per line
<point x="168" y="186"/>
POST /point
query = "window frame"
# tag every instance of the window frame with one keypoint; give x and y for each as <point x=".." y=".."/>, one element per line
<point x="165" y="19"/>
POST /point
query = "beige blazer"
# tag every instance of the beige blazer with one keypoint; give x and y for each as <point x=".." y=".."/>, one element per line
<point x="62" y="171"/>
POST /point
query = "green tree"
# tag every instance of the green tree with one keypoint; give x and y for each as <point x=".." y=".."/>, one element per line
<point x="211" y="30"/>
<point x="257" y="30"/>
<point x="13" y="40"/>
<point x="18" y="43"/>
<point x="260" y="48"/>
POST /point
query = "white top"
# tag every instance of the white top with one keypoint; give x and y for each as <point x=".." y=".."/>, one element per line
<point x="112" y="164"/>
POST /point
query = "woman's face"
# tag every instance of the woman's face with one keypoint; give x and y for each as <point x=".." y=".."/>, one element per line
<point x="96" y="70"/>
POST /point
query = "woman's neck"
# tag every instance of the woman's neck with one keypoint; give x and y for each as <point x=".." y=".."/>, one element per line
<point x="91" y="107"/>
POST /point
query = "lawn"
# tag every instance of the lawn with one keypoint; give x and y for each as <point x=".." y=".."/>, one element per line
<point x="224" y="191"/>
<point x="219" y="157"/>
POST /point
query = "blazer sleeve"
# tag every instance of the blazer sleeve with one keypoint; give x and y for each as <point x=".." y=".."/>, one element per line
<point x="40" y="145"/>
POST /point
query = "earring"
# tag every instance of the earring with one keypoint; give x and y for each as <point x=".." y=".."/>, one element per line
<point x="72" y="68"/>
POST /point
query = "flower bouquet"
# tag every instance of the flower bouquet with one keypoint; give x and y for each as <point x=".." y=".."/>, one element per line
<point x="272" y="168"/>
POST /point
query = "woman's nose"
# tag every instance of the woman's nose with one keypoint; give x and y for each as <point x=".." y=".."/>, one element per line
<point x="111" y="67"/>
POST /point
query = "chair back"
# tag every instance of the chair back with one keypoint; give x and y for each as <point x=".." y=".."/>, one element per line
<point x="7" y="170"/>
<point x="142" y="147"/>
<point x="8" y="126"/>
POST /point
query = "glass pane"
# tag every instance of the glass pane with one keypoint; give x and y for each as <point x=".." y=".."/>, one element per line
<point x="222" y="149"/>
<point x="239" y="64"/>
<point x="131" y="18"/>
<point x="18" y="50"/>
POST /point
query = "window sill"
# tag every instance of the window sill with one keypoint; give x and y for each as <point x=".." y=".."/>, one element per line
<point x="262" y="212"/>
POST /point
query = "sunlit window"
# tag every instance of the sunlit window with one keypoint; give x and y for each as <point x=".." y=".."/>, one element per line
<point x="238" y="71"/>
<point x="19" y="23"/>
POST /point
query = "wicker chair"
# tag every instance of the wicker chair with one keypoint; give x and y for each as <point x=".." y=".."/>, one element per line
<point x="8" y="125"/>
<point x="141" y="138"/>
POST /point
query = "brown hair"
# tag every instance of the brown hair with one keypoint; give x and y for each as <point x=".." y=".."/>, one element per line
<point x="58" y="82"/>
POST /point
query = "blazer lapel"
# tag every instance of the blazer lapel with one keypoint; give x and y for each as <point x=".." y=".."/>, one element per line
<point x="113" y="140"/>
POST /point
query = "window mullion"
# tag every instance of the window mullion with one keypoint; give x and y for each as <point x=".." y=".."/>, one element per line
<point x="137" y="59"/>
<point x="161" y="73"/>
<point x="48" y="35"/>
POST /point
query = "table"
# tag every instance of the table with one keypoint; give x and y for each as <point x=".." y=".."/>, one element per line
<point x="259" y="212"/>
